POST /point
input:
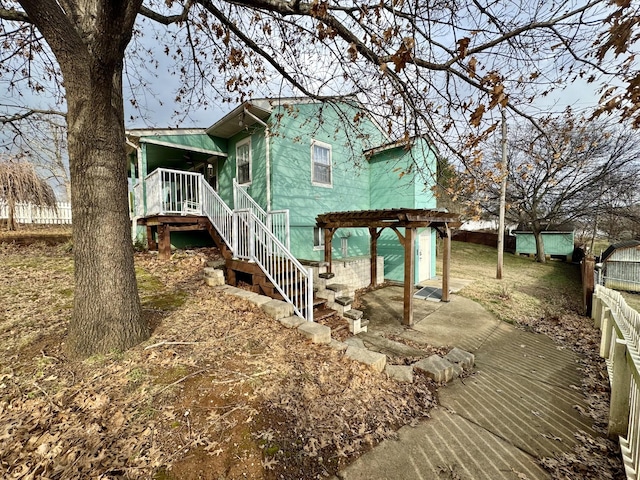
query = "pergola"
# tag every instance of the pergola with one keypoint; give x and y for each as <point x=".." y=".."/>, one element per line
<point x="410" y="220"/>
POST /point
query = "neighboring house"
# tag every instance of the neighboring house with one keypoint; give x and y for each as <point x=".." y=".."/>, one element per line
<point x="558" y="242"/>
<point x="620" y="266"/>
<point x="288" y="161"/>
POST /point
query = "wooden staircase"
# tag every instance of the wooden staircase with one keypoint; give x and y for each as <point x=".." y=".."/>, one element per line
<point x="243" y="271"/>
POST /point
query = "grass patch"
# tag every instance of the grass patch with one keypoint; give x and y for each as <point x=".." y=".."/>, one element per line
<point x="632" y="299"/>
<point x="165" y="301"/>
<point x="528" y="288"/>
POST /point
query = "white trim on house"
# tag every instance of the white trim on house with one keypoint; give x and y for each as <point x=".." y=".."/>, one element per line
<point x="242" y="143"/>
<point x="318" y="238"/>
<point x="182" y="147"/>
<point x="325" y="146"/>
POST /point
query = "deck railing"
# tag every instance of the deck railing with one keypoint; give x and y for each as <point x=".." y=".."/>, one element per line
<point x="277" y="221"/>
<point x="254" y="241"/>
<point x="30" y="213"/>
<point x="218" y="212"/>
<point x="251" y="233"/>
<point x="173" y="192"/>
<point x="620" y="346"/>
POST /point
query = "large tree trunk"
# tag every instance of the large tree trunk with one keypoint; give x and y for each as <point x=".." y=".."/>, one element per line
<point x="106" y="310"/>
<point x="89" y="38"/>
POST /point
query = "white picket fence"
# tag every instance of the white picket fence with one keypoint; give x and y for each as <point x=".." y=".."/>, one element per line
<point x="620" y="347"/>
<point x="30" y="213"/>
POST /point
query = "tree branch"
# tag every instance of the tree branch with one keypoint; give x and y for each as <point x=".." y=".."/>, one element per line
<point x="14" y="15"/>
<point x="21" y="116"/>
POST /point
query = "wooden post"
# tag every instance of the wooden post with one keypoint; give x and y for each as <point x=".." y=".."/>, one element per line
<point x="620" y="386"/>
<point x="164" y="250"/>
<point x="503" y="194"/>
<point x="588" y="284"/>
<point x="409" y="276"/>
<point x="151" y="241"/>
<point x="446" y="263"/>
<point x="328" y="236"/>
<point x="374" y="233"/>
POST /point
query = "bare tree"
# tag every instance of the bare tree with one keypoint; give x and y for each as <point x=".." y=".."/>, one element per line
<point x="428" y="68"/>
<point x="42" y="140"/>
<point x="571" y="172"/>
<point x="19" y="182"/>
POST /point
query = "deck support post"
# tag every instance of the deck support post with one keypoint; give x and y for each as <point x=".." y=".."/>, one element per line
<point x="446" y="263"/>
<point x="151" y="241"/>
<point x="164" y="249"/>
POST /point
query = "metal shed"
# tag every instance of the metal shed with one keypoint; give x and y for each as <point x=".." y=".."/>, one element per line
<point x="620" y="265"/>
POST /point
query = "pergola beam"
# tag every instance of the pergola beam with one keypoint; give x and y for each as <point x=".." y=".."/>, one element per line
<point x="410" y="220"/>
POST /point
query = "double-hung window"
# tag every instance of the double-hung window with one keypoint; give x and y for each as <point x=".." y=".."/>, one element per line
<point x="243" y="161"/>
<point x="320" y="163"/>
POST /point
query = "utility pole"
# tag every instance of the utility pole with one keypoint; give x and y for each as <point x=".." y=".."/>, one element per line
<point x="503" y="194"/>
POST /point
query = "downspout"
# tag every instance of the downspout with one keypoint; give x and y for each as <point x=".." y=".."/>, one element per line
<point x="267" y="139"/>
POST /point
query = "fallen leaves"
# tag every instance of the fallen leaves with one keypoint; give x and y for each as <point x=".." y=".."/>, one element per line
<point x="193" y="400"/>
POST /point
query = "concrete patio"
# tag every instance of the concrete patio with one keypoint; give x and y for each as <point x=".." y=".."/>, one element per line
<point x="521" y="404"/>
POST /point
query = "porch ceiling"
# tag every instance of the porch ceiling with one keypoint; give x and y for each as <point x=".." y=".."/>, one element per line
<point x="237" y="120"/>
<point x="396" y="217"/>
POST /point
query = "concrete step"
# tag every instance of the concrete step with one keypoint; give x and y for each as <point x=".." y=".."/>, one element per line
<point x="353" y="314"/>
<point x="340" y="289"/>
<point x="344" y="301"/>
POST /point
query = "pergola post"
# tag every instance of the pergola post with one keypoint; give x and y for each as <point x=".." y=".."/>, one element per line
<point x="374" y="234"/>
<point x="328" y="236"/>
<point x="446" y="263"/>
<point x="409" y="275"/>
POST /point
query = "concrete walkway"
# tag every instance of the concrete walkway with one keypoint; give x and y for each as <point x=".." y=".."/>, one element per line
<point x="521" y="404"/>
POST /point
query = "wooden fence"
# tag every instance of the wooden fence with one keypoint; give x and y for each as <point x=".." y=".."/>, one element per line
<point x="30" y="213"/>
<point x="620" y="347"/>
<point x="485" y="238"/>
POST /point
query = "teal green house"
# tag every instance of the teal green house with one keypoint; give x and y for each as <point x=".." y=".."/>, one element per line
<point x="286" y="161"/>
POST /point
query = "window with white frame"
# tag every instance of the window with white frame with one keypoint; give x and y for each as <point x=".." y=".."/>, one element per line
<point x="318" y="238"/>
<point x="320" y="163"/>
<point x="243" y="161"/>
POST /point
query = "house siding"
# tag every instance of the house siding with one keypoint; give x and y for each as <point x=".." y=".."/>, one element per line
<point x="392" y="178"/>
<point x="622" y="270"/>
<point x="293" y="188"/>
<point x="399" y="180"/>
<point x="227" y="169"/>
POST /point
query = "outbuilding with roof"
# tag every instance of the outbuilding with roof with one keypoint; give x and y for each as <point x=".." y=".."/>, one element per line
<point x="620" y="266"/>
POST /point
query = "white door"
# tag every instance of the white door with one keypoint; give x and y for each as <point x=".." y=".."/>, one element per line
<point x="424" y="256"/>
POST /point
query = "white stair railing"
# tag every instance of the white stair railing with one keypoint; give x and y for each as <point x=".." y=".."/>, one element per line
<point x="243" y="201"/>
<point x="290" y="278"/>
<point x="218" y="212"/>
<point x="250" y="232"/>
<point x="277" y="221"/>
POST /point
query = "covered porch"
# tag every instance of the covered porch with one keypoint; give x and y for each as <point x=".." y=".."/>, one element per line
<point x="408" y="219"/>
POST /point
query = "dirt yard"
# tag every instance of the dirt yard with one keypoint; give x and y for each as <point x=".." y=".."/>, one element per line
<point x="218" y="392"/>
<point x="222" y="392"/>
